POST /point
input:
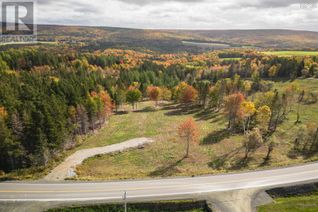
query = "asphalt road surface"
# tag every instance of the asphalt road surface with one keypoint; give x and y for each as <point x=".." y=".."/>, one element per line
<point x="156" y="189"/>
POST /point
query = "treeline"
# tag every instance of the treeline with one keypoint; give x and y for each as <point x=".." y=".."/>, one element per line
<point x="275" y="67"/>
<point x="41" y="113"/>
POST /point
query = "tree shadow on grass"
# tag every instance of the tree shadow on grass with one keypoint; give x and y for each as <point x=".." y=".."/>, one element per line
<point x="265" y="162"/>
<point x="147" y="109"/>
<point x="121" y="112"/>
<point x="216" y="137"/>
<point x="241" y="163"/>
<point x="183" y="110"/>
<point x="198" y="112"/>
<point x="166" y="170"/>
<point x="206" y="114"/>
<point x="220" y="162"/>
<point x="169" y="106"/>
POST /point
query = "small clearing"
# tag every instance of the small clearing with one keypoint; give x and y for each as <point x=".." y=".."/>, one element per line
<point x="66" y="169"/>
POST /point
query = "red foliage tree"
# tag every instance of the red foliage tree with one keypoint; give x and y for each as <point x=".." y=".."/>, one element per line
<point x="153" y="93"/>
<point x="188" y="130"/>
<point x="232" y="106"/>
<point x="107" y="103"/>
<point x="188" y="95"/>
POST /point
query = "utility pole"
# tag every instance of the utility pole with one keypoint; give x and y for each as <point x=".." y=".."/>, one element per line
<point x="125" y="202"/>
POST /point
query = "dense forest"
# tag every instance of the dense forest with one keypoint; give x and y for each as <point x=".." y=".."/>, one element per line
<point x="50" y="95"/>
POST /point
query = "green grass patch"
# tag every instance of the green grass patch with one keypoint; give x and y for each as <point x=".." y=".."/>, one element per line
<point x="162" y="158"/>
<point x="291" y="53"/>
<point x="146" y="122"/>
<point x="231" y="59"/>
<point x="308" y="203"/>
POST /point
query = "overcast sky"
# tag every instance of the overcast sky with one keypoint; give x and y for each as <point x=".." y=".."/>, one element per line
<point x="180" y="14"/>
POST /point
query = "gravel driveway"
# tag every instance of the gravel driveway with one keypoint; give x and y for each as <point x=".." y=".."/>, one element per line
<point x="66" y="168"/>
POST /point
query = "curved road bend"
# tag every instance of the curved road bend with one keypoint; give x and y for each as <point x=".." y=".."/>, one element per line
<point x="157" y="189"/>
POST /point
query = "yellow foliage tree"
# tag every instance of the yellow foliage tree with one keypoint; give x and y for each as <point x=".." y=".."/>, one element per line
<point x="246" y="112"/>
<point x="272" y="72"/>
<point x="263" y="116"/>
<point x="165" y="94"/>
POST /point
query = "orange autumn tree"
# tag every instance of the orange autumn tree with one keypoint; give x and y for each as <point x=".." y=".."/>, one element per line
<point x="189" y="95"/>
<point x="3" y="113"/>
<point x="100" y="107"/>
<point x="188" y="130"/>
<point x="153" y="93"/>
<point x="232" y="107"/>
<point x="185" y="93"/>
<point x="107" y="103"/>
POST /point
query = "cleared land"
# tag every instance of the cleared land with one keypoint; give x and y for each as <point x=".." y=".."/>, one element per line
<point x="291" y="53"/>
<point x="206" y="44"/>
<point x="167" y="151"/>
<point x="66" y="169"/>
<point x="218" y="151"/>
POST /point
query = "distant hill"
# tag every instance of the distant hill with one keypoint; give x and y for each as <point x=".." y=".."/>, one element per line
<point x="173" y="40"/>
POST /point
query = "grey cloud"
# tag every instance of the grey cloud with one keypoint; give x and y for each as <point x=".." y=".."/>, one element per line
<point x="198" y="19"/>
<point x="147" y="2"/>
<point x="50" y="2"/>
<point x="274" y="3"/>
<point x="189" y="14"/>
<point x="77" y="6"/>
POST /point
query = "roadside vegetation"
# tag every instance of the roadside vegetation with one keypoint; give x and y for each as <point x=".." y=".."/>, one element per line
<point x="163" y="206"/>
<point x="308" y="203"/>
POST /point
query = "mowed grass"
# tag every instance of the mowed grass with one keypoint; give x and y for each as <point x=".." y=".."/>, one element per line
<point x="218" y="151"/>
<point x="292" y="204"/>
<point x="291" y="53"/>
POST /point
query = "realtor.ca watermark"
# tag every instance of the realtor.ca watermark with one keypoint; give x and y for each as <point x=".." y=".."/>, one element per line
<point x="308" y="4"/>
<point x="17" y="20"/>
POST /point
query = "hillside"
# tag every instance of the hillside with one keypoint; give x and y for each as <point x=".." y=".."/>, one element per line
<point x="172" y="40"/>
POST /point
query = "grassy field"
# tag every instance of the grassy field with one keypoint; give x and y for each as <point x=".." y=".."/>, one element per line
<point x="291" y="53"/>
<point x="218" y="151"/>
<point x="162" y="158"/>
<point x="308" y="203"/>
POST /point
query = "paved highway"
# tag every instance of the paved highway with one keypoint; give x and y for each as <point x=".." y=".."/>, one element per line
<point x="140" y="190"/>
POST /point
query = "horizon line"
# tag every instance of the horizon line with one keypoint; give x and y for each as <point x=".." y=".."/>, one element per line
<point x="183" y="29"/>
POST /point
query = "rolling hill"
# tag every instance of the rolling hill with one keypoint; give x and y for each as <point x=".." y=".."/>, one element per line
<point x="95" y="38"/>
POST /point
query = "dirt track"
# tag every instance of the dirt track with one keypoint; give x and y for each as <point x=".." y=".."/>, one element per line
<point x="66" y="168"/>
